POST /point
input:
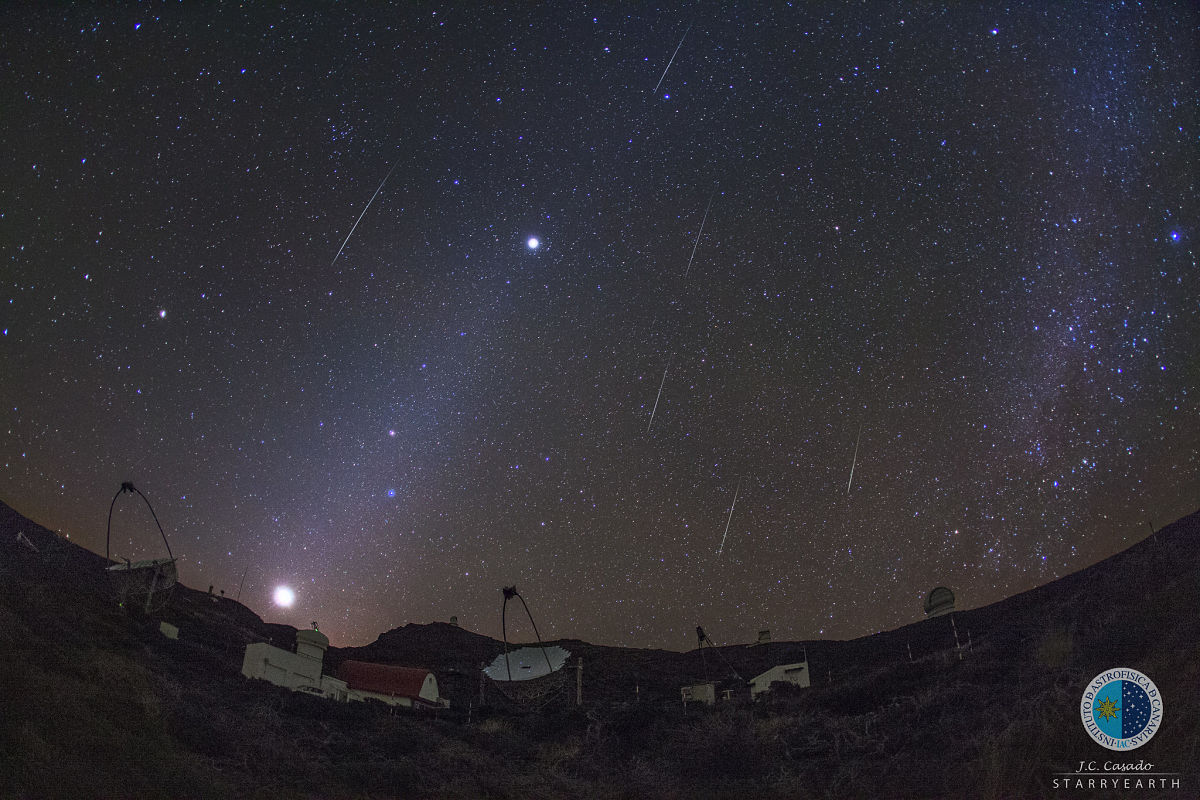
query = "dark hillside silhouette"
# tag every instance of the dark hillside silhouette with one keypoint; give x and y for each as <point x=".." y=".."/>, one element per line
<point x="94" y="701"/>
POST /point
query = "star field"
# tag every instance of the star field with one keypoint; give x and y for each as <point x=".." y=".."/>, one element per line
<point x="968" y="233"/>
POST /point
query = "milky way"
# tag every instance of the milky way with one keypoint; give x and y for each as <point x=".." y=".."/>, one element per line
<point x="968" y="233"/>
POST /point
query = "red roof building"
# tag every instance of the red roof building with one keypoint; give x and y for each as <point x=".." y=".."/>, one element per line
<point x="402" y="686"/>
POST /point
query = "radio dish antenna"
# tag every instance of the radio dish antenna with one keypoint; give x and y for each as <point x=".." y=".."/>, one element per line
<point x="528" y="677"/>
<point x="153" y="578"/>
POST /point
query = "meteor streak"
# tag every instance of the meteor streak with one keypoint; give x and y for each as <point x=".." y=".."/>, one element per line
<point x="364" y="211"/>
<point x="732" y="506"/>
<point x="699" y="234"/>
<point x="660" y="388"/>
<point x="681" y="38"/>
<point x="854" y="460"/>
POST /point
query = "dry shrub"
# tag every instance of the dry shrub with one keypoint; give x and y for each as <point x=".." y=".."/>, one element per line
<point x="392" y="778"/>
<point x="646" y="777"/>
<point x="557" y="756"/>
<point x="495" y="726"/>
<point x="1013" y="758"/>
<point x="725" y="744"/>
<point x="76" y="738"/>
<point x="1056" y="648"/>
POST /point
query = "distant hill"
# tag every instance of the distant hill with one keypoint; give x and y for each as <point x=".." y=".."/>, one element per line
<point x="95" y="702"/>
<point x="1159" y="574"/>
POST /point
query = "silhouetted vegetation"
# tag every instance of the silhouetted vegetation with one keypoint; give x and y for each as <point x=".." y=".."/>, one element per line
<point x="97" y="703"/>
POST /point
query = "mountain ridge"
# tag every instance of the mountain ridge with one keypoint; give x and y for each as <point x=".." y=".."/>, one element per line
<point x="94" y="701"/>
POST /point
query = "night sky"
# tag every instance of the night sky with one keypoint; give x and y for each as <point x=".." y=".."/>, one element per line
<point x="952" y="250"/>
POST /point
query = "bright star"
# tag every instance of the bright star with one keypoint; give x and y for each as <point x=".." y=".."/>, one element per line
<point x="533" y="243"/>
<point x="284" y="596"/>
<point x="162" y="314"/>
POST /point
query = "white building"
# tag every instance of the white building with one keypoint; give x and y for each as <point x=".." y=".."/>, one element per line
<point x="408" y="687"/>
<point x="298" y="671"/>
<point x="795" y="674"/>
<point x="705" y="693"/>
<point x="301" y="671"/>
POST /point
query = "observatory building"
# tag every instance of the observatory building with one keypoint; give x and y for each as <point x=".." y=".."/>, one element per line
<point x="408" y="687"/>
<point x="940" y="601"/>
<point x="298" y="671"/>
<point x="705" y="693"/>
<point x="301" y="671"/>
<point x="795" y="674"/>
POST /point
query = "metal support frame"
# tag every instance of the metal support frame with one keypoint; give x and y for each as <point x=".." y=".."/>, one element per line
<point x="509" y="593"/>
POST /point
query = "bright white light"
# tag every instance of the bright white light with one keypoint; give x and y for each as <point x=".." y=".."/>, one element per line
<point x="284" y="596"/>
<point x="162" y="314"/>
<point x="533" y="243"/>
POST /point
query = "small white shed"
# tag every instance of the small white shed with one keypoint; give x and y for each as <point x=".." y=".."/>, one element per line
<point x="705" y="693"/>
<point x="795" y="674"/>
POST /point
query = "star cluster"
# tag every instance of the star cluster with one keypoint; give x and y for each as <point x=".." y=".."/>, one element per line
<point x="954" y="247"/>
